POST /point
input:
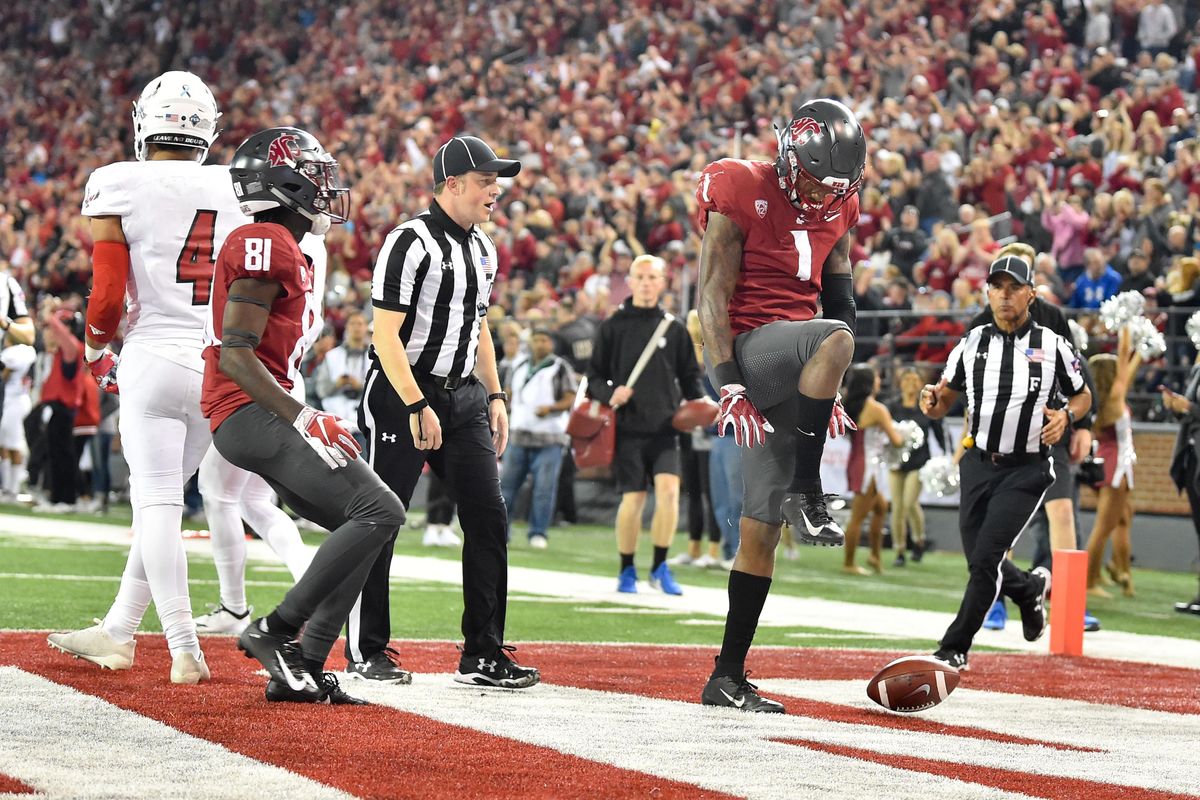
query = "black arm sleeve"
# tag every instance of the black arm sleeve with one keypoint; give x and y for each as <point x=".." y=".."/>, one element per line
<point x="600" y="386"/>
<point x="837" y="299"/>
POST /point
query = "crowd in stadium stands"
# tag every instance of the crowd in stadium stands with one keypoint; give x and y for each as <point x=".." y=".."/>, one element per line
<point x="1070" y="125"/>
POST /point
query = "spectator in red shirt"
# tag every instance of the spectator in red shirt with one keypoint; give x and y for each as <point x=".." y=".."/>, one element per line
<point x="936" y="334"/>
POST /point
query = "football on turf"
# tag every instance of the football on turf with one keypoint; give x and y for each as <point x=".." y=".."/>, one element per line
<point x="694" y="414"/>
<point x="913" y="683"/>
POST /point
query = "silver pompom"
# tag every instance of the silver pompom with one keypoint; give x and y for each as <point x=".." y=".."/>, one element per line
<point x="1193" y="329"/>
<point x="1117" y="310"/>
<point x="1146" y="339"/>
<point x="1078" y="335"/>
<point x="914" y="437"/>
<point x="940" y="476"/>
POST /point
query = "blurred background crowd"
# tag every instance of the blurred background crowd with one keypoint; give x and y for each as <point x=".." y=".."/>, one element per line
<point x="1067" y="124"/>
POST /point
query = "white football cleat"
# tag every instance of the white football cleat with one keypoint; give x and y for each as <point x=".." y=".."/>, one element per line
<point x="432" y="537"/>
<point x="220" y="619"/>
<point x="683" y="559"/>
<point x="449" y="538"/>
<point x="705" y="562"/>
<point x="187" y="669"/>
<point x="95" y="645"/>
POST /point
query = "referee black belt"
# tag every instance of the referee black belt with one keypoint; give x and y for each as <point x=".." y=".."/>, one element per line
<point x="449" y="383"/>
<point x="1010" y="459"/>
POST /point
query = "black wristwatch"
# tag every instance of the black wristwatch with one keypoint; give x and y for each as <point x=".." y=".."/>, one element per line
<point x="498" y="396"/>
<point x="1070" y="417"/>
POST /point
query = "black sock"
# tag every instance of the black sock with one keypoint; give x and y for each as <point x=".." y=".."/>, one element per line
<point x="660" y="555"/>
<point x="812" y="426"/>
<point x="277" y="624"/>
<point x="626" y="560"/>
<point x="314" y="667"/>
<point x="747" y="594"/>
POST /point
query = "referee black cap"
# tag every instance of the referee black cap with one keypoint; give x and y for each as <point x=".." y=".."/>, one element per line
<point x="464" y="154"/>
<point x="1017" y="267"/>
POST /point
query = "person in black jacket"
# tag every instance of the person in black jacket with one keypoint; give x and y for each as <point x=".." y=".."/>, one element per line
<point x="1185" y="461"/>
<point x="647" y="448"/>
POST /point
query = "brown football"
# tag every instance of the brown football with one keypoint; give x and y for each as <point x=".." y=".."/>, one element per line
<point x="694" y="414"/>
<point x="913" y="683"/>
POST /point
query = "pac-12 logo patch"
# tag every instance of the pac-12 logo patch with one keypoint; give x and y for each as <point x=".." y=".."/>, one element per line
<point x="760" y="206"/>
<point x="283" y="151"/>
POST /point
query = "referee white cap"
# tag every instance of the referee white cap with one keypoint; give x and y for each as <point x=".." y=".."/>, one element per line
<point x="1017" y="267"/>
<point x="464" y="154"/>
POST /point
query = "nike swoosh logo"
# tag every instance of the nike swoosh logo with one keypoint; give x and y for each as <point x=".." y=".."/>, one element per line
<point x="923" y="690"/>
<point x="297" y="684"/>
<point x="806" y="433"/>
<point x="811" y="530"/>
<point x="738" y="702"/>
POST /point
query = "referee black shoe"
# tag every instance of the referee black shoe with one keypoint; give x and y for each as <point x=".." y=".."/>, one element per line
<point x="1033" y="612"/>
<point x="331" y="693"/>
<point x="737" y="692"/>
<point x="808" y="514"/>
<point x="497" y="670"/>
<point x="383" y="667"/>
<point x="280" y="655"/>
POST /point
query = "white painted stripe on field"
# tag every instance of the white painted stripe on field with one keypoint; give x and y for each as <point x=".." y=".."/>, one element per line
<point x="1139" y="747"/>
<point x="66" y="744"/>
<point x="719" y="749"/>
<point x="780" y="610"/>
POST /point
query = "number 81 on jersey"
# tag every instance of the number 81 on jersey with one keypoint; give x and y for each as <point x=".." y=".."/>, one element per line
<point x="258" y="255"/>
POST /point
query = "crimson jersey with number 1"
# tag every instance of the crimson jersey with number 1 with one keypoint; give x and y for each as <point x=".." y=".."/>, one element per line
<point x="782" y="257"/>
<point x="175" y="216"/>
<point x="262" y="251"/>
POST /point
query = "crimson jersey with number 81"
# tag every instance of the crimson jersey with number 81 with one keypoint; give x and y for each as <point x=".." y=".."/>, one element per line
<point x="782" y="258"/>
<point x="262" y="251"/>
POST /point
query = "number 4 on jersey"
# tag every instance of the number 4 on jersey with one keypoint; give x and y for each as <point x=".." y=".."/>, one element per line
<point x="197" y="261"/>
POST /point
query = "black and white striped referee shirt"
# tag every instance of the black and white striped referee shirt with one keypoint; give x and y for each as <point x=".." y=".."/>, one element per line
<point x="441" y="277"/>
<point x="1009" y="379"/>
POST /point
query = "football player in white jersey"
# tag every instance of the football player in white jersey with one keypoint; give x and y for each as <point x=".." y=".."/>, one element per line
<point x="158" y="223"/>
<point x="16" y="360"/>
<point x="231" y="494"/>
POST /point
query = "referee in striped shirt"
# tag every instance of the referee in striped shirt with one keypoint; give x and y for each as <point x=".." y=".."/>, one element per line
<point x="1011" y="371"/>
<point x="433" y="395"/>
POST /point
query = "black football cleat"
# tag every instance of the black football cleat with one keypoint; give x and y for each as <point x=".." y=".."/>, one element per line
<point x="497" y="670"/>
<point x="383" y="667"/>
<point x="808" y="514"/>
<point x="953" y="658"/>
<point x="739" y="693"/>
<point x="1033" y="613"/>
<point x="331" y="693"/>
<point x="280" y="655"/>
<point x="1192" y="607"/>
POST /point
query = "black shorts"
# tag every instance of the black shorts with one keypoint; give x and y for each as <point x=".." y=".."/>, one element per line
<point x="638" y="457"/>
<point x="1063" y="487"/>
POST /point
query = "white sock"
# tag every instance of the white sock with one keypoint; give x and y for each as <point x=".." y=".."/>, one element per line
<point x="16" y="477"/>
<point x="279" y="532"/>
<point x="6" y="471"/>
<point x="229" y="552"/>
<point x="178" y="625"/>
<point x="133" y="598"/>
<point x="165" y="563"/>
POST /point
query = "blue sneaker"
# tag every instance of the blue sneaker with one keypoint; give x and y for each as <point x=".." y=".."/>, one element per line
<point x="1090" y="623"/>
<point x="661" y="578"/>
<point x="627" y="581"/>
<point x="997" y="616"/>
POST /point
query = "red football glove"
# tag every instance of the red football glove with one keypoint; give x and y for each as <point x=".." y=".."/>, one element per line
<point x="839" y="420"/>
<point x="104" y="370"/>
<point x="736" y="411"/>
<point x="324" y="434"/>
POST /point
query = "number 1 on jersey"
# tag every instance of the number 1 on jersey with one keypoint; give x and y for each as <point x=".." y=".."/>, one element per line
<point x="197" y="261"/>
<point x="803" y="255"/>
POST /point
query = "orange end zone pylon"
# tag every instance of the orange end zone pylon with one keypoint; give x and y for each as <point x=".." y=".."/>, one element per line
<point x="1069" y="602"/>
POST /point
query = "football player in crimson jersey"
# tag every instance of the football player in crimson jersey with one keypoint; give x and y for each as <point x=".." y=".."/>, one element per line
<point x="776" y="240"/>
<point x="262" y="297"/>
<point x="157" y="223"/>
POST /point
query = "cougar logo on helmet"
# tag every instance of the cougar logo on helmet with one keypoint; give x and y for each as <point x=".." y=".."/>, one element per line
<point x="283" y="151"/>
<point x="804" y="129"/>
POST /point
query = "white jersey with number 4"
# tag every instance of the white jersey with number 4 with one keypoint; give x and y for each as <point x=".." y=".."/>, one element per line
<point x="175" y="216"/>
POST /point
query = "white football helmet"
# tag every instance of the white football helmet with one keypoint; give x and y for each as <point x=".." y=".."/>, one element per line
<point x="176" y="108"/>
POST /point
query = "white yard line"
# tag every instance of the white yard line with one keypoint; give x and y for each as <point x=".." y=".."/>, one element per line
<point x="66" y="744"/>
<point x="780" y="610"/>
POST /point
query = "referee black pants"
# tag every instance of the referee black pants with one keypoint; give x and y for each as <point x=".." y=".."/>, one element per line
<point x="997" y="504"/>
<point x="466" y="465"/>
